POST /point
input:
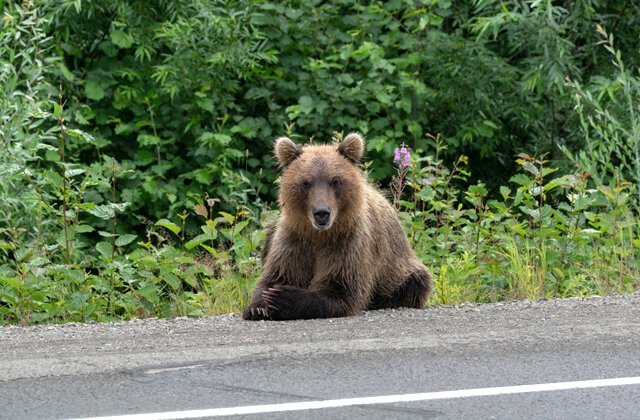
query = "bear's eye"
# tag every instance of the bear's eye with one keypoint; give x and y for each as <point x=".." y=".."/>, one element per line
<point x="335" y="182"/>
<point x="306" y="185"/>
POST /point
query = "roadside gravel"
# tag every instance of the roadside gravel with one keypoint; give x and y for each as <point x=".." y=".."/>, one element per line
<point x="90" y="348"/>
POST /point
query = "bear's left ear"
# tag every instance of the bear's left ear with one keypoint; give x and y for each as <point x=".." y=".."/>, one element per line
<point x="286" y="151"/>
<point x="352" y="147"/>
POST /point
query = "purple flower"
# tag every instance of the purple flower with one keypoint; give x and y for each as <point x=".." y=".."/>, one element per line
<point x="402" y="156"/>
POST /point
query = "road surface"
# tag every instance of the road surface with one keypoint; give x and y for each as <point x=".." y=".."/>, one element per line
<point x="572" y="358"/>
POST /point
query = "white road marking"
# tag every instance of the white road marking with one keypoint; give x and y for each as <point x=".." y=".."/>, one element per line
<point x="171" y="369"/>
<point x="384" y="399"/>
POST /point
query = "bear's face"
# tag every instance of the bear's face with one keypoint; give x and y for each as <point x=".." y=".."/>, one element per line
<point x="320" y="185"/>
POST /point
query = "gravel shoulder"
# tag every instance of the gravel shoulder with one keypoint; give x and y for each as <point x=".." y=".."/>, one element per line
<point x="93" y="348"/>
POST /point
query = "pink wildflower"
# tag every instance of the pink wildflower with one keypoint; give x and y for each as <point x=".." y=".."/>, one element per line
<point x="402" y="156"/>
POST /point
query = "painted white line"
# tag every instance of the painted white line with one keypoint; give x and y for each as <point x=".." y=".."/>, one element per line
<point x="384" y="399"/>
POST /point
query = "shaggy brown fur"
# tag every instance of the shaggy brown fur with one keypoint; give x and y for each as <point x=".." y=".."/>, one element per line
<point x="337" y="248"/>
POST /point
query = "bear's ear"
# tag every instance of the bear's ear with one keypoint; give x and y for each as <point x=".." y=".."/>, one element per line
<point x="286" y="151"/>
<point x="352" y="147"/>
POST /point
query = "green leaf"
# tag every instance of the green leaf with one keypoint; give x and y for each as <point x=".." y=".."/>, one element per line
<point x="306" y="104"/>
<point x="478" y="190"/>
<point x="74" y="172"/>
<point x="13" y="282"/>
<point x="222" y="139"/>
<point x="93" y="90"/>
<point x="125" y="239"/>
<point x="38" y="262"/>
<point x="485" y="131"/>
<point x="21" y="254"/>
<point x="200" y="239"/>
<point x="406" y="204"/>
<point x="210" y="231"/>
<point x="518" y="227"/>
<point x="557" y="273"/>
<point x="518" y="198"/>
<point x="293" y="14"/>
<point x="64" y="71"/>
<point x="530" y="167"/>
<point x="123" y="128"/>
<point x="211" y="251"/>
<point x="120" y="207"/>
<point x="104" y="212"/>
<point x="240" y="226"/>
<point x="167" y="224"/>
<point x="44" y="146"/>
<point x="172" y="280"/>
<point x="84" y="228"/>
<point x="534" y="213"/>
<point x="205" y="103"/>
<point x="79" y="134"/>
<point x="104" y="248"/>
<point x="121" y="38"/>
<point x="148" y="140"/>
<point x="229" y="218"/>
<point x="521" y="179"/>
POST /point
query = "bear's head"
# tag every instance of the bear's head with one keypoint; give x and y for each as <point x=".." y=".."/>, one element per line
<point x="321" y="186"/>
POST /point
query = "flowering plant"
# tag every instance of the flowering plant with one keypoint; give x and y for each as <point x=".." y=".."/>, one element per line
<point x="402" y="158"/>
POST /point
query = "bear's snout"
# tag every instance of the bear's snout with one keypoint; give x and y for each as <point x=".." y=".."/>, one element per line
<point x="321" y="217"/>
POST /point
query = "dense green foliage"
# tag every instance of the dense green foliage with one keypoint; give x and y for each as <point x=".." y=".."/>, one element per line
<point x="545" y="235"/>
<point x="135" y="143"/>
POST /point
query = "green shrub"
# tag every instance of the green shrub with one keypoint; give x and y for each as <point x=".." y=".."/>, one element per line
<point x="156" y="84"/>
<point x="135" y="142"/>
<point x="64" y="255"/>
<point x="188" y="95"/>
<point x="543" y="237"/>
<point x="608" y="108"/>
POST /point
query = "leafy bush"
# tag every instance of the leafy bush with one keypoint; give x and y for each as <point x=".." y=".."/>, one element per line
<point x="544" y="237"/>
<point x="156" y="85"/>
<point x="609" y="113"/>
<point x="63" y="253"/>
<point x="135" y="139"/>
<point x="188" y="95"/>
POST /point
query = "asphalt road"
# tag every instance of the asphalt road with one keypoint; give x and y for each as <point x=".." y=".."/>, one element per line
<point x="164" y="366"/>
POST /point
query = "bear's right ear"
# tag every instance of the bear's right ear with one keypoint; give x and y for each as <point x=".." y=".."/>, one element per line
<point x="352" y="147"/>
<point x="286" y="151"/>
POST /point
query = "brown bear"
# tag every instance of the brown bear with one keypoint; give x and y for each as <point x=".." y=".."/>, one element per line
<point x="337" y="248"/>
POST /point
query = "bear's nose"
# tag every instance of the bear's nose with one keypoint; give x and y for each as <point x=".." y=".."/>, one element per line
<point x="321" y="215"/>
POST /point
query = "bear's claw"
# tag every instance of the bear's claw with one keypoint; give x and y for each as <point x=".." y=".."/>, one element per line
<point x="280" y="298"/>
<point x="256" y="313"/>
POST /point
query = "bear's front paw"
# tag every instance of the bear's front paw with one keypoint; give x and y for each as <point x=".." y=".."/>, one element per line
<point x="283" y="301"/>
<point x="255" y="313"/>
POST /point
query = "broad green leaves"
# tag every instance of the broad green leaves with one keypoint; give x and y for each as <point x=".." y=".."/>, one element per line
<point x="121" y="39"/>
<point x="93" y="90"/>
<point x="168" y="225"/>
